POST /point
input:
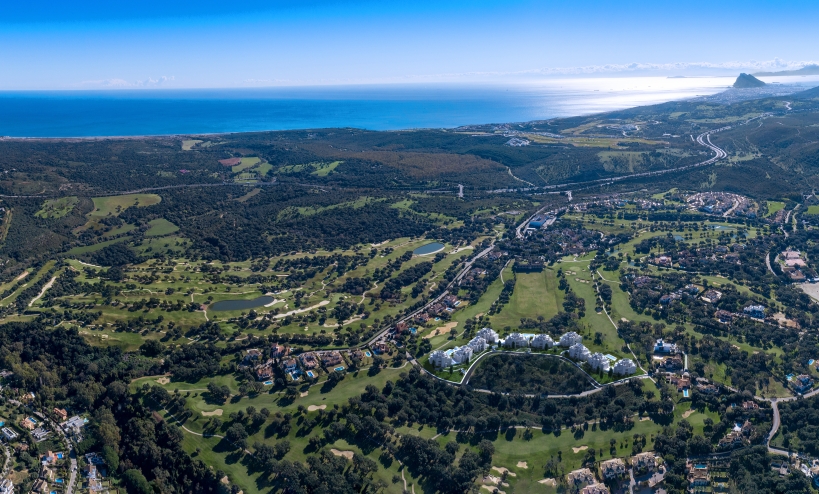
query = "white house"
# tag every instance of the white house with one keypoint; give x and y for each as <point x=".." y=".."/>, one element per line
<point x="579" y="352"/>
<point x="625" y="367"/>
<point x="477" y="344"/>
<point x="664" y="347"/>
<point x="462" y="354"/>
<point x="570" y="338"/>
<point x="440" y="359"/>
<point x="599" y="362"/>
<point x="543" y="341"/>
<point x="6" y="487"/>
<point x="489" y="335"/>
<point x="516" y="340"/>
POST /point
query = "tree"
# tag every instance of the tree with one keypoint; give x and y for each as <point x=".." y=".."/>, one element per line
<point x="135" y="482"/>
<point x="219" y="393"/>
<point x="237" y="435"/>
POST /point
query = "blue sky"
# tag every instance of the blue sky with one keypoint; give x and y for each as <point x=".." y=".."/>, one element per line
<point x="245" y="43"/>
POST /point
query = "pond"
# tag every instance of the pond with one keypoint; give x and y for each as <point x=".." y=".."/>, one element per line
<point x="241" y="304"/>
<point x="428" y="249"/>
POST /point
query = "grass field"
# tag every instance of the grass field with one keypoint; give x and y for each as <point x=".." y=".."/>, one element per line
<point x="188" y="144"/>
<point x="776" y="206"/>
<point x="57" y="208"/>
<point x="536" y="294"/>
<point x="324" y="169"/>
<point x="93" y="248"/>
<point x="245" y="164"/>
<point x="813" y="209"/>
<point x="113" y="205"/>
<point x="160" y="227"/>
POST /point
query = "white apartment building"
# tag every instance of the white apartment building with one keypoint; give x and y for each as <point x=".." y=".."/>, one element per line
<point x="579" y="352"/>
<point x="6" y="487"/>
<point x="489" y="335"/>
<point x="625" y="367"/>
<point x="570" y="338"/>
<point x="543" y="341"/>
<point x="440" y="359"/>
<point x="462" y="354"/>
<point x="516" y="340"/>
<point x="477" y="344"/>
<point x="599" y="362"/>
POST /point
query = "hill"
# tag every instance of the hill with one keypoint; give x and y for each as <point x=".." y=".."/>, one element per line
<point x="747" y="81"/>
<point x="806" y="70"/>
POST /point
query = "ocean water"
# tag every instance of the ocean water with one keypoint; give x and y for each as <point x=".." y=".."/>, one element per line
<point x="164" y="111"/>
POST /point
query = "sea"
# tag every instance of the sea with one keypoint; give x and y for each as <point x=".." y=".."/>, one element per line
<point x="99" y="113"/>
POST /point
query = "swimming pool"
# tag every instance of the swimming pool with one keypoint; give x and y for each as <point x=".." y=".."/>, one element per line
<point x="268" y="383"/>
<point x="413" y="330"/>
<point x="610" y="357"/>
<point x="2" y="423"/>
<point x="32" y="420"/>
<point x="685" y="393"/>
<point x="810" y="362"/>
<point x="339" y="368"/>
<point x="310" y="374"/>
<point x="368" y="354"/>
<point x="59" y="456"/>
<point x="59" y="481"/>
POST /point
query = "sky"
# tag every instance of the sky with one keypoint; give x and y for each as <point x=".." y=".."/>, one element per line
<point x="253" y="43"/>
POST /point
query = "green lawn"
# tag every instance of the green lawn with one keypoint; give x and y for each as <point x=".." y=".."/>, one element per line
<point x="113" y="205"/>
<point x="776" y="206"/>
<point x="95" y="247"/>
<point x="324" y="169"/>
<point x="188" y="144"/>
<point x="813" y="209"/>
<point x="245" y="164"/>
<point x="536" y="294"/>
<point x="160" y="227"/>
<point x="57" y="208"/>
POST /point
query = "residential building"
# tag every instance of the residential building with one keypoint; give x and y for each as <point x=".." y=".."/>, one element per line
<point x="750" y="405"/>
<point x="724" y="316"/>
<point x="357" y="355"/>
<point x="40" y="434"/>
<point x="279" y="351"/>
<point x="451" y="301"/>
<point x="643" y="463"/>
<point x="40" y="486"/>
<point x="309" y="360"/>
<point x="264" y="372"/>
<point x="380" y="347"/>
<point x="252" y="356"/>
<point x="580" y="478"/>
<point x="672" y="363"/>
<point x="711" y="296"/>
<point x="489" y="335"/>
<point x="401" y="328"/>
<point x="802" y="383"/>
<point x="440" y="359"/>
<point x="422" y="318"/>
<point x="9" y="434"/>
<point x="516" y="340"/>
<point x="543" y="342"/>
<point x="755" y="311"/>
<point x="90" y="471"/>
<point x="6" y="487"/>
<point x="28" y="424"/>
<point x="731" y="440"/>
<point x="708" y="389"/>
<point x="289" y="365"/>
<point x="46" y="473"/>
<point x="664" y="347"/>
<point x="698" y="475"/>
<point x="477" y="344"/>
<point x="331" y="359"/>
<point x="625" y="367"/>
<point x="569" y="339"/>
<point x="579" y="352"/>
<point x="462" y="354"/>
<point x="61" y="414"/>
<point x="595" y="489"/>
<point x="612" y="469"/>
<point x="790" y="254"/>
<point x="599" y="362"/>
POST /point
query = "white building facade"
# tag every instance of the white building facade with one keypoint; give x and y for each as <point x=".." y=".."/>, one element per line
<point x="477" y="344"/>
<point x="543" y="342"/>
<point x="462" y="354"/>
<point x="516" y="340"/>
<point x="489" y="335"/>
<point x="599" y="362"/>
<point x="579" y="352"/>
<point x="625" y="367"/>
<point x="569" y="339"/>
<point x="440" y="359"/>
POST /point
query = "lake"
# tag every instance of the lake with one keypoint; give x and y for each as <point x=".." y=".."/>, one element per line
<point x="428" y="249"/>
<point x="223" y="305"/>
<point x="384" y="107"/>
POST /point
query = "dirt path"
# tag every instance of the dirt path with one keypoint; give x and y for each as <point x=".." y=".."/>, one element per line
<point x="306" y="309"/>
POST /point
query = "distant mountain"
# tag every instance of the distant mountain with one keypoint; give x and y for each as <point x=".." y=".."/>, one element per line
<point x="747" y="81"/>
<point x="808" y="94"/>
<point x="806" y="70"/>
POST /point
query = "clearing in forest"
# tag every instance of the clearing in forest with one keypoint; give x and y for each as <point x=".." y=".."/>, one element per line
<point x="57" y="208"/>
<point x="535" y="294"/>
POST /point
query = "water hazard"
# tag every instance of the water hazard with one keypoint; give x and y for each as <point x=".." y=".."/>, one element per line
<point x="428" y="249"/>
<point x="223" y="305"/>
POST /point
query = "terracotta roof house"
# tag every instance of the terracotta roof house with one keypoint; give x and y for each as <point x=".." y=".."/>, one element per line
<point x="612" y="469"/>
<point x="329" y="359"/>
<point x="580" y="478"/>
<point x="595" y="489"/>
<point x="309" y="360"/>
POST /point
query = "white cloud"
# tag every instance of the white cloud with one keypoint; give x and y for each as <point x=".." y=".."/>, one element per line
<point x="122" y="83"/>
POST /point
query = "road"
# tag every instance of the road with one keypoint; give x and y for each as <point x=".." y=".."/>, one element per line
<point x="768" y="262"/>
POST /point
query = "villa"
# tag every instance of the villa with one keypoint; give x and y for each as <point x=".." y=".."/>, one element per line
<point x="380" y="347"/>
<point x="580" y="478"/>
<point x="279" y="351"/>
<point x="724" y="316"/>
<point x="477" y="344"/>
<point x="289" y="365"/>
<point x="440" y="359"/>
<point x="6" y="487"/>
<point x="543" y="342"/>
<point x="309" y="360"/>
<point x="750" y="405"/>
<point x="802" y="383"/>
<point x="579" y="352"/>
<point x="28" y="424"/>
<point x="612" y="469"/>
<point x="698" y="474"/>
<point x="625" y="367"/>
<point x="672" y="363"/>
<point x="61" y="414"/>
<point x="489" y="335"/>
<point x="755" y="311"/>
<point x="264" y="372"/>
<point x="731" y="440"/>
<point x="711" y="296"/>
<point x="329" y="359"/>
<point x="40" y="486"/>
<point x="664" y="347"/>
<point x="9" y="434"/>
<point x="569" y="339"/>
<point x="516" y="340"/>
<point x="595" y="489"/>
<point x="599" y="362"/>
<point x="422" y="318"/>
<point x="644" y="463"/>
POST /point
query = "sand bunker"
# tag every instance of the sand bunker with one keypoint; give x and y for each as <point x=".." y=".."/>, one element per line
<point x="303" y="394"/>
<point x="645" y="419"/>
<point x="581" y="448"/>
<point x="163" y="380"/>
<point x="503" y="470"/>
<point x="345" y="454"/>
<point x="551" y="482"/>
<point x="523" y="464"/>
<point x="688" y="413"/>
<point x="446" y="328"/>
<point x="491" y="479"/>
<point x="492" y="489"/>
<point x="313" y="408"/>
<point x="216" y="413"/>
